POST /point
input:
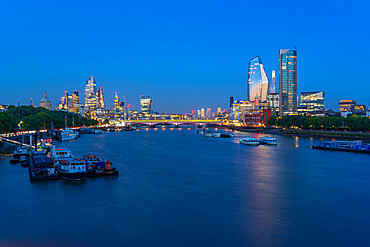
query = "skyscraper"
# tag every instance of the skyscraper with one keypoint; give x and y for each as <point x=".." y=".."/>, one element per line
<point x="258" y="83"/>
<point x="272" y="88"/>
<point x="100" y="99"/>
<point x="288" y="98"/>
<point x="90" y="94"/>
<point x="146" y="104"/>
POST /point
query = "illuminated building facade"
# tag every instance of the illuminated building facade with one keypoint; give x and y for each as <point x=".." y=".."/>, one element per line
<point x="146" y="105"/>
<point x="258" y="83"/>
<point x="90" y="94"/>
<point x="75" y="98"/>
<point x="347" y="105"/>
<point x="257" y="118"/>
<point x="209" y="113"/>
<point x="359" y="108"/>
<point x="272" y="87"/>
<point x="273" y="102"/>
<point x="100" y="103"/>
<point x="312" y="101"/>
<point x="288" y="98"/>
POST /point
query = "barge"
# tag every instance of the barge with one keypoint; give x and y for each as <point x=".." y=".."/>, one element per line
<point x="346" y="146"/>
<point x="42" y="168"/>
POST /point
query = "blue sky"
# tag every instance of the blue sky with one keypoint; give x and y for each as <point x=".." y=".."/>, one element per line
<point x="185" y="54"/>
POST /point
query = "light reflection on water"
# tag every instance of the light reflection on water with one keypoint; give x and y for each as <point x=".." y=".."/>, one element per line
<point x="177" y="188"/>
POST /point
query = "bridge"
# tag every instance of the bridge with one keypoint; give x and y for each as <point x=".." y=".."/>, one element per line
<point x="4" y="140"/>
<point x="176" y="123"/>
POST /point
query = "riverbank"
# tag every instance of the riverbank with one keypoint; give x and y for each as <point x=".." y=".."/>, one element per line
<point x="328" y="134"/>
<point x="252" y="129"/>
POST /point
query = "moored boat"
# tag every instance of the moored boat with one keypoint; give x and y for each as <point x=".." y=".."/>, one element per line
<point x="268" y="140"/>
<point x="249" y="141"/>
<point x="99" y="167"/>
<point x="71" y="169"/>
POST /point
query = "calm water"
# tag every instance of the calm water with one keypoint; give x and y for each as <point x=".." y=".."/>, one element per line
<point x="177" y="188"/>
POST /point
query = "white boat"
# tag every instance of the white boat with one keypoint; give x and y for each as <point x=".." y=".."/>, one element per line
<point x="21" y="151"/>
<point x="207" y="134"/>
<point x="71" y="168"/>
<point x="216" y="135"/>
<point x="249" y="141"/>
<point x="62" y="153"/>
<point x="68" y="134"/>
<point x="268" y="140"/>
<point x="68" y="166"/>
<point x="200" y="132"/>
<point x="98" y="131"/>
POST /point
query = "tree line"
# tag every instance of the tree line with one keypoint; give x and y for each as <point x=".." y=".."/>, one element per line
<point x="39" y="118"/>
<point x="327" y="123"/>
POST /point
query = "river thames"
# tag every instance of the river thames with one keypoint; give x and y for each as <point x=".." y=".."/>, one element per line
<point x="177" y="188"/>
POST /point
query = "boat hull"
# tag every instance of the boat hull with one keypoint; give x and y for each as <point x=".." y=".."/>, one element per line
<point x="78" y="176"/>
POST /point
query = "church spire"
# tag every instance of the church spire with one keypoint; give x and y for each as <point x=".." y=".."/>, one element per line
<point x="45" y="94"/>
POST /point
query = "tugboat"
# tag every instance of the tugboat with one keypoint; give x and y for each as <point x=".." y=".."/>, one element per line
<point x="249" y="141"/>
<point x="99" y="167"/>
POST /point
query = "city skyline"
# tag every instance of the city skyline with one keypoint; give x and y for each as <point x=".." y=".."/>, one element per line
<point x="189" y="61"/>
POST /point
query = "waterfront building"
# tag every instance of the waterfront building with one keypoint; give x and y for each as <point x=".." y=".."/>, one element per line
<point x="312" y="102"/>
<point x="258" y="83"/>
<point x="359" y="109"/>
<point x="272" y="87"/>
<point x="288" y="98"/>
<point x="239" y="107"/>
<point x="90" y="94"/>
<point x="45" y="102"/>
<point x="256" y="118"/>
<point x="146" y="105"/>
<point x="347" y="105"/>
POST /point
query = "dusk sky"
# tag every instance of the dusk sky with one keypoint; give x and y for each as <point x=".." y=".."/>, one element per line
<point x="185" y="54"/>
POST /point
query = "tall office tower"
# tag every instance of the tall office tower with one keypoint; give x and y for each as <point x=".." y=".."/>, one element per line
<point x="208" y="113"/>
<point x="75" y="98"/>
<point x="146" y="104"/>
<point x="117" y="103"/>
<point x="219" y="110"/>
<point x="258" y="83"/>
<point x="272" y="88"/>
<point x="202" y="112"/>
<point x="288" y="98"/>
<point x="90" y="94"/>
<point x="100" y="99"/>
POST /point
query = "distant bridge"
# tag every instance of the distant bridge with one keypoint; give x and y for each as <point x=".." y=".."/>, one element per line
<point x="175" y="123"/>
<point x="4" y="140"/>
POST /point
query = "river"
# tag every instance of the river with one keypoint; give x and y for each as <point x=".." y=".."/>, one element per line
<point x="177" y="188"/>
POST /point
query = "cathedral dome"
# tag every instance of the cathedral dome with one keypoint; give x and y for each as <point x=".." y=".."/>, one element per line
<point x="45" y="102"/>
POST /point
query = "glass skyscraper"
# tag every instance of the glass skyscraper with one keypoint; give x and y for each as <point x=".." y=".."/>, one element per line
<point x="288" y="99"/>
<point x="258" y="83"/>
<point x="146" y="105"/>
<point x="90" y="94"/>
